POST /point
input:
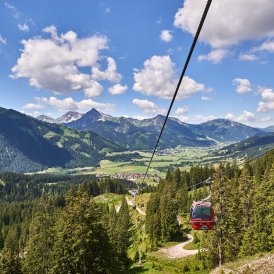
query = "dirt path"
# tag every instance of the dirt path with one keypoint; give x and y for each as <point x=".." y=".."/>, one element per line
<point x="178" y="251"/>
<point x="131" y="203"/>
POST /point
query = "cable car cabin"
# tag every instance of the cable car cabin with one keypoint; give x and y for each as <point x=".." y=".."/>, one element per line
<point x="202" y="216"/>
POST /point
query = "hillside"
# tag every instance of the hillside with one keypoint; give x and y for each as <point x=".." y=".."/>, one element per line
<point x="249" y="147"/>
<point x="27" y="144"/>
<point x="224" y="130"/>
<point x="142" y="134"/>
<point x="269" y="129"/>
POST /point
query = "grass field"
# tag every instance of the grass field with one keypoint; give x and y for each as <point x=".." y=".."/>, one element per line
<point x="183" y="158"/>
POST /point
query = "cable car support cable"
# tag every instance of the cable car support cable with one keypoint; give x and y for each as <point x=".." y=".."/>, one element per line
<point x="181" y="78"/>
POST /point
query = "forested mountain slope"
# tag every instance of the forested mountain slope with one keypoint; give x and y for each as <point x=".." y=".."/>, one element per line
<point x="27" y="144"/>
<point x="250" y="147"/>
<point x="142" y="134"/>
<point x="243" y="203"/>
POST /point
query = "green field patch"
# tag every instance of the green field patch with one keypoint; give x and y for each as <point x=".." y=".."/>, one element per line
<point x="50" y="134"/>
<point x="75" y="146"/>
<point x="71" y="133"/>
<point x="109" y="198"/>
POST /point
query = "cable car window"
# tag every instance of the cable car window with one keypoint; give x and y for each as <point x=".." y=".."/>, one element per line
<point x="202" y="212"/>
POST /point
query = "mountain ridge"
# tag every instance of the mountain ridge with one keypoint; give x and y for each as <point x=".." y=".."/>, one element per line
<point x="27" y="144"/>
<point x="142" y="134"/>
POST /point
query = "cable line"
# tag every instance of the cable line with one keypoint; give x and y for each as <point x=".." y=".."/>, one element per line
<point x="181" y="78"/>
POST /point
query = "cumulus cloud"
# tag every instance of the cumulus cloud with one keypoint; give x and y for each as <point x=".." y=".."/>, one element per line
<point x="215" y="56"/>
<point x="240" y="20"/>
<point x="182" y="110"/>
<point x="246" y="117"/>
<point x="148" y="106"/>
<point x="166" y="36"/>
<point x="55" y="63"/>
<point x="158" y="78"/>
<point x="32" y="106"/>
<point x="68" y="104"/>
<point x="117" y="89"/>
<point x="24" y="27"/>
<point x="267" y="101"/>
<point x="242" y="85"/>
<point x="230" y="116"/>
<point x="109" y="74"/>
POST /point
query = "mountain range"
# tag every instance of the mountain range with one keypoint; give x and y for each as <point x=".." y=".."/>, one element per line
<point x="27" y="144"/>
<point x="136" y="134"/>
<point x="66" y="118"/>
<point x="250" y="147"/>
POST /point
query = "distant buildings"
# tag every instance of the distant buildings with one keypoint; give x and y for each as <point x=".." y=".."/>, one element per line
<point x="128" y="176"/>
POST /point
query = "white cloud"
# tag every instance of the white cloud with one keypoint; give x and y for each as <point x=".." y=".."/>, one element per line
<point x="182" y="118"/>
<point x="206" y="98"/>
<point x="267" y="103"/>
<point x="215" y="56"/>
<point x="266" y="119"/>
<point x="246" y="117"/>
<point x="166" y="36"/>
<point x="182" y="110"/>
<point x="70" y="104"/>
<point x="197" y="119"/>
<point x="266" y="46"/>
<point x="242" y="85"/>
<point x="148" y="106"/>
<point x="55" y="63"/>
<point x="32" y="106"/>
<point x="109" y="74"/>
<point x="268" y="95"/>
<point x="158" y="78"/>
<point x="13" y="9"/>
<point x="265" y="106"/>
<point x="230" y="116"/>
<point x="117" y="89"/>
<point x="24" y="27"/>
<point x="248" y="57"/>
<point x="240" y="20"/>
<point x="3" y="40"/>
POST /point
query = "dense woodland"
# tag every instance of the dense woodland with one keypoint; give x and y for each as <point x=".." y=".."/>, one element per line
<point x="52" y="224"/>
<point x="243" y="200"/>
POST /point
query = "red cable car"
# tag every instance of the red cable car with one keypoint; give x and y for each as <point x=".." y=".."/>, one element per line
<point x="202" y="216"/>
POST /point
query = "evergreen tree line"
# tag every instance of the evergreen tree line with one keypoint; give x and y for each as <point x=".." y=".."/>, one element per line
<point x="243" y="201"/>
<point x="170" y="199"/>
<point x="20" y="187"/>
<point x="81" y="237"/>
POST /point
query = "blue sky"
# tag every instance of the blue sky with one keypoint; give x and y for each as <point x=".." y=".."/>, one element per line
<point x="125" y="57"/>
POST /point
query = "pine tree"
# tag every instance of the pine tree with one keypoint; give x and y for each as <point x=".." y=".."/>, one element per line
<point x="246" y="192"/>
<point x="10" y="263"/>
<point x="82" y="244"/>
<point x="123" y="234"/>
<point x="264" y="214"/>
<point x="38" y="258"/>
